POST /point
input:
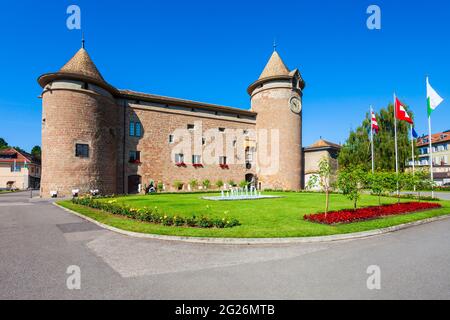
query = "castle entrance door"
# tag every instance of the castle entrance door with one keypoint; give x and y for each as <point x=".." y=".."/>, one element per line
<point x="250" y="179"/>
<point x="133" y="183"/>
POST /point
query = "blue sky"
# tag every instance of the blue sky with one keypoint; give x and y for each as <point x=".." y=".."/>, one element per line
<point x="212" y="50"/>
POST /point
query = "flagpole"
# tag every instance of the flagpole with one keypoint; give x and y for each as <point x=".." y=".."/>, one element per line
<point x="396" y="144"/>
<point x="371" y="139"/>
<point x="431" y="155"/>
<point x="412" y="150"/>
<point x="412" y="154"/>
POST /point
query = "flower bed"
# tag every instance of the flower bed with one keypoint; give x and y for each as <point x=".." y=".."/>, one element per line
<point x="347" y="216"/>
<point x="154" y="216"/>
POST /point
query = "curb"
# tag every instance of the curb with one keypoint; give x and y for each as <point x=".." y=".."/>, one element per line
<point x="255" y="241"/>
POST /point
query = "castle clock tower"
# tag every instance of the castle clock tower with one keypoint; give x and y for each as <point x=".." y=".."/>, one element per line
<point x="277" y="98"/>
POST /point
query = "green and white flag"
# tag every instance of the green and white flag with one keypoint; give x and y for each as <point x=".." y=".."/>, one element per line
<point x="433" y="99"/>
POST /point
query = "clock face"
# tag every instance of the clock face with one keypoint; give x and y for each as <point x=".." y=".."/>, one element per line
<point x="295" y="105"/>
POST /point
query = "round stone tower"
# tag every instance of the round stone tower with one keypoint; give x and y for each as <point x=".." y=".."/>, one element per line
<point x="277" y="98"/>
<point x="80" y="129"/>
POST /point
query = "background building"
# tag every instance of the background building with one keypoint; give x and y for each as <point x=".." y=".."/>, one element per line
<point x="441" y="155"/>
<point x="18" y="170"/>
<point x="316" y="152"/>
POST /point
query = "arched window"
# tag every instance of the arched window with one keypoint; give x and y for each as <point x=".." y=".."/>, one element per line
<point x="138" y="129"/>
<point x="131" y="129"/>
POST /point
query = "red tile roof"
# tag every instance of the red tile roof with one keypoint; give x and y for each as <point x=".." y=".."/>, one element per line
<point x="435" y="138"/>
<point x="15" y="155"/>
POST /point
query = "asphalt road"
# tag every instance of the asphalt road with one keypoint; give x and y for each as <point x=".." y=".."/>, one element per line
<point x="39" y="241"/>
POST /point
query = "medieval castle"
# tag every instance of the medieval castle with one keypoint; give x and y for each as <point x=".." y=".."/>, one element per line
<point x="95" y="136"/>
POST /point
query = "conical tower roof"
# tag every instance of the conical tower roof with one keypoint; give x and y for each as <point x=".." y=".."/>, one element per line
<point x="79" y="67"/>
<point x="275" y="67"/>
<point x="82" y="64"/>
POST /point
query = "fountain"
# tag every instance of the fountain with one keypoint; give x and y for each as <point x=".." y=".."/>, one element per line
<point x="235" y="194"/>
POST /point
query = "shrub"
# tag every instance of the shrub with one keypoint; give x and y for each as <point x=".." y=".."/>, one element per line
<point x="206" y="183"/>
<point x="204" y="222"/>
<point x="179" y="221"/>
<point x="193" y="183"/>
<point x="232" y="183"/>
<point x="160" y="186"/>
<point x="178" y="185"/>
<point x="219" y="184"/>
<point x="192" y="221"/>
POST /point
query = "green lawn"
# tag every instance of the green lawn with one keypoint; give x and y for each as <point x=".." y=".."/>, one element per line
<point x="267" y="218"/>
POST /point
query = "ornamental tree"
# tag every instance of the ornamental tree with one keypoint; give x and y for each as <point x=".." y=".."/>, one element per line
<point x="377" y="182"/>
<point x="351" y="181"/>
<point x="323" y="178"/>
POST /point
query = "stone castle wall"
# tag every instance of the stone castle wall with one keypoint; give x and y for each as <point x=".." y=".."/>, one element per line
<point x="157" y="153"/>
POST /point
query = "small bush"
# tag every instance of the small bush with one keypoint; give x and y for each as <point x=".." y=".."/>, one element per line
<point x="178" y="185"/>
<point x="206" y="183"/>
<point x="193" y="183"/>
<point x="219" y="184"/>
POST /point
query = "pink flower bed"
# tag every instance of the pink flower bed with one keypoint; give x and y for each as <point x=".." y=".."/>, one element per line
<point x="347" y="216"/>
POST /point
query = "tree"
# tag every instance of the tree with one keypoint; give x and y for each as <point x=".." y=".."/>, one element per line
<point x="3" y="144"/>
<point x="356" y="150"/>
<point x="378" y="183"/>
<point x="323" y="179"/>
<point x="36" y="152"/>
<point x="351" y="181"/>
<point x="422" y="181"/>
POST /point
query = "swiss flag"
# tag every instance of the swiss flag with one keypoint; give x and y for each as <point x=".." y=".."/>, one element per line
<point x="400" y="112"/>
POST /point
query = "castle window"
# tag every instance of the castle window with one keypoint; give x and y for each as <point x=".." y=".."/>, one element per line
<point x="196" y="159"/>
<point x="171" y="138"/>
<point x="248" y="155"/>
<point x="221" y="129"/>
<point x="179" y="158"/>
<point x="131" y="129"/>
<point x="135" y="156"/>
<point x="138" y="129"/>
<point x="190" y="127"/>
<point x="82" y="150"/>
<point x="222" y="160"/>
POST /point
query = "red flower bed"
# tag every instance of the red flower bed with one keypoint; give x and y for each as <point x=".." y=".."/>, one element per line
<point x="347" y="216"/>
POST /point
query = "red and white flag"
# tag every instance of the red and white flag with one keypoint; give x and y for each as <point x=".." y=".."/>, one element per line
<point x="400" y="112"/>
<point x="375" y="126"/>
